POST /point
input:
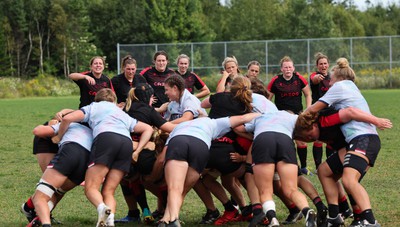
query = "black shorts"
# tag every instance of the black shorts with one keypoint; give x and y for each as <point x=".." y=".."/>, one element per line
<point x="189" y="149"/>
<point x="71" y="162"/>
<point x="113" y="150"/>
<point x="220" y="158"/>
<point x="145" y="161"/>
<point x="273" y="147"/>
<point x="44" y="145"/>
<point x="368" y="145"/>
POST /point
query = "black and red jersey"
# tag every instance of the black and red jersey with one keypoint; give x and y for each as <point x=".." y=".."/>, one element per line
<point x="288" y="93"/>
<point x="156" y="80"/>
<point x="192" y="80"/>
<point x="329" y="128"/>
<point x="88" y="91"/>
<point x="319" y="90"/>
<point x="122" y="86"/>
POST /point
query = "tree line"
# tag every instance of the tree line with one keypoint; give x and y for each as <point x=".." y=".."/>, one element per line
<point x="57" y="37"/>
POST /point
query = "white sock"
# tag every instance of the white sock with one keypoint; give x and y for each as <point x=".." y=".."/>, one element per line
<point x="268" y="205"/>
<point x="100" y="207"/>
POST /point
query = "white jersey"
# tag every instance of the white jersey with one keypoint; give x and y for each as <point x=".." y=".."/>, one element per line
<point x="107" y="117"/>
<point x="344" y="94"/>
<point x="203" y="128"/>
<point x="187" y="102"/>
<point x="77" y="133"/>
<point x="280" y="121"/>
<point x="262" y="105"/>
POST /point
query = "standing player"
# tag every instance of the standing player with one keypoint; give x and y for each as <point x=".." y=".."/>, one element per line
<point x="191" y="79"/>
<point x="288" y="88"/>
<point x="156" y="75"/>
<point x="92" y="81"/>
<point x="126" y="80"/>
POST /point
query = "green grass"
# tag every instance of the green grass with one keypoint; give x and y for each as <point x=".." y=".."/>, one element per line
<point x="20" y="172"/>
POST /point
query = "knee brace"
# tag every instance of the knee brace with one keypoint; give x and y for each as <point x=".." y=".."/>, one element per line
<point x="356" y="162"/>
<point x="249" y="168"/>
<point x="45" y="188"/>
<point x="335" y="164"/>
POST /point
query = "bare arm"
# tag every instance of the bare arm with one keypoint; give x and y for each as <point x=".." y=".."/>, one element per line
<point x="75" y="116"/>
<point x="317" y="106"/>
<point x="221" y="83"/>
<point x="59" y="115"/>
<point x="187" y="116"/>
<point x="80" y="76"/>
<point x="146" y="132"/>
<point x="206" y="103"/>
<point x="352" y="113"/>
<point x="307" y="94"/>
<point x="43" y="131"/>
<point x="204" y="91"/>
<point x="168" y="127"/>
<point x="270" y="95"/>
<point x="242" y="119"/>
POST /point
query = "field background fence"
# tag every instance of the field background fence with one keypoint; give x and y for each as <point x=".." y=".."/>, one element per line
<point x="380" y="53"/>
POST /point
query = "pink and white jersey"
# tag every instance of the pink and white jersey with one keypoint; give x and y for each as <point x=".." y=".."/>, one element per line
<point x="344" y="94"/>
<point x="107" y="117"/>
<point x="262" y="105"/>
<point x="280" y="121"/>
<point x="76" y="133"/>
<point x="203" y="128"/>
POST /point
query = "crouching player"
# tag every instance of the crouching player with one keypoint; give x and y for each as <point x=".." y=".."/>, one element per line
<point x="65" y="171"/>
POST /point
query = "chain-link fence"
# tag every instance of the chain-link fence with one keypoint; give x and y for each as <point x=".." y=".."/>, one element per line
<point x="375" y="53"/>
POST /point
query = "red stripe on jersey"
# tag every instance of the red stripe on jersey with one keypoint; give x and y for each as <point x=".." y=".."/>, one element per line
<point x="269" y="87"/>
<point x="331" y="120"/>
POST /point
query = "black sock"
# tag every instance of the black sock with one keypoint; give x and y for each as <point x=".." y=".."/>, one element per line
<point x="302" y="152"/>
<point x="256" y="209"/>
<point x="141" y="198"/>
<point x="229" y="206"/>
<point x="304" y="211"/>
<point x="294" y="210"/>
<point x="368" y="215"/>
<point x="46" y="225"/>
<point x="317" y="154"/>
<point x="270" y="214"/>
<point x="134" y="213"/>
<point x="343" y="205"/>
<point x="233" y="201"/>
<point x="333" y="210"/>
<point x="319" y="204"/>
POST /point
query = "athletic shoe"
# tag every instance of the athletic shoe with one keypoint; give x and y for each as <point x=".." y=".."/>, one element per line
<point x="147" y="216"/>
<point x="243" y="218"/>
<point x="322" y="217"/>
<point x="228" y="216"/>
<point x="157" y="215"/>
<point x="54" y="221"/>
<point x="347" y="214"/>
<point x="257" y="219"/>
<point x="175" y="223"/>
<point x="293" y="218"/>
<point x="102" y="216"/>
<point x="110" y="222"/>
<point x="246" y="213"/>
<point x="34" y="223"/>
<point x="335" y="222"/>
<point x="210" y="216"/>
<point x="311" y="218"/>
<point x="30" y="214"/>
<point x="367" y="224"/>
<point x="306" y="171"/>
<point x="128" y="219"/>
<point x="273" y="223"/>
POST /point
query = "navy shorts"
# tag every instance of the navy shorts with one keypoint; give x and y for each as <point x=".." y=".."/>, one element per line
<point x="44" y="145"/>
<point x="112" y="150"/>
<point x="71" y="162"/>
<point x="368" y="145"/>
<point x="273" y="147"/>
<point x="189" y="149"/>
<point x="220" y="158"/>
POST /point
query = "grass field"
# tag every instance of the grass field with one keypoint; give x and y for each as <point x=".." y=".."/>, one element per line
<point x="19" y="170"/>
